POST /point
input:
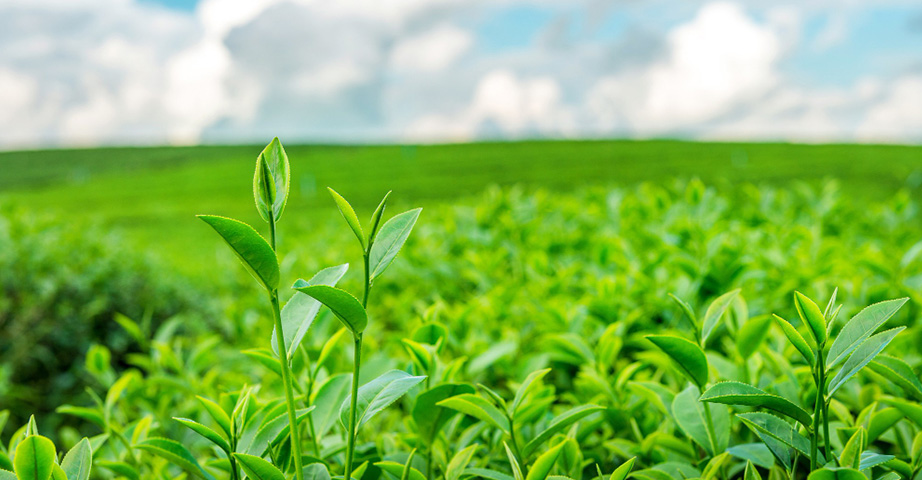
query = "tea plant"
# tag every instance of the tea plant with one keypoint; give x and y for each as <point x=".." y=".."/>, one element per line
<point x="31" y="456"/>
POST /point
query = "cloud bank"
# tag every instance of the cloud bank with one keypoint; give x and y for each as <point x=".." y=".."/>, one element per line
<point x="91" y="72"/>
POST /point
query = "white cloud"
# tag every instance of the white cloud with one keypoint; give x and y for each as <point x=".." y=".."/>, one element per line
<point x="432" y="50"/>
<point x="126" y="71"/>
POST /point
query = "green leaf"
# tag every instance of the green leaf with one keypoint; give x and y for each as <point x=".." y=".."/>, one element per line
<point x="57" y="473"/>
<point x="78" y="461"/>
<point x="459" y="462"/>
<point x="686" y="308"/>
<point x="328" y="399"/>
<point x="487" y="473"/>
<point x="736" y="393"/>
<point x="862" y="356"/>
<point x="768" y="425"/>
<point x="860" y="327"/>
<point x="316" y="471"/>
<point x="513" y="463"/>
<point x="346" y="307"/>
<point x="477" y="407"/>
<point x="376" y="218"/>
<point x="898" y="372"/>
<point x="6" y="475"/>
<point x="258" y="469"/>
<point x="836" y="474"/>
<point x="217" y="414"/>
<point x="691" y="418"/>
<point x="871" y="460"/>
<point x="397" y="470"/>
<point x="751" y="335"/>
<point x="623" y="470"/>
<point x="274" y="431"/>
<point x="250" y="247"/>
<point x="714" y="312"/>
<point x="206" y="432"/>
<point x="881" y="421"/>
<point x="119" y="468"/>
<point x="429" y="416"/>
<point x="176" y="453"/>
<point x="757" y="453"/>
<point x="812" y="316"/>
<point x="271" y="180"/>
<point x="299" y="313"/>
<point x="349" y="214"/>
<point x="559" y="423"/>
<point x="688" y="357"/>
<point x="797" y="340"/>
<point x="912" y="410"/>
<point x="390" y="240"/>
<point x="545" y="462"/>
<point x="35" y="458"/>
<point x="533" y="379"/>
<point x="378" y="394"/>
<point x="851" y="453"/>
<point x="751" y="473"/>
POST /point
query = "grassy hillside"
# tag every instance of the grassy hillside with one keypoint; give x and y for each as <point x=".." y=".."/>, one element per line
<point x="152" y="193"/>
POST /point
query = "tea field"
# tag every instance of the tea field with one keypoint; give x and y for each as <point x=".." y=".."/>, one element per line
<point x="646" y="310"/>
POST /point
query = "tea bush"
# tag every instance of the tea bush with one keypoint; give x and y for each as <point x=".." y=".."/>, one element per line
<point x="61" y="288"/>
<point x="656" y="332"/>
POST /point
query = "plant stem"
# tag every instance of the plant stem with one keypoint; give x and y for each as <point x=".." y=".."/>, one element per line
<point x="310" y="423"/>
<point x="709" y="423"/>
<point x="294" y="431"/>
<point x="825" y="407"/>
<point x="817" y="410"/>
<point x="356" y="369"/>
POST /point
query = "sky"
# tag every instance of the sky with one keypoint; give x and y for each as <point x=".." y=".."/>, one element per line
<point x="148" y="72"/>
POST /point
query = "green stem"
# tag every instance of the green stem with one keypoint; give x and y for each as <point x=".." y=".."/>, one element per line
<point x="310" y="422"/>
<point x="286" y="379"/>
<point x="825" y="406"/>
<point x="709" y="423"/>
<point x="817" y="411"/>
<point x="356" y="368"/>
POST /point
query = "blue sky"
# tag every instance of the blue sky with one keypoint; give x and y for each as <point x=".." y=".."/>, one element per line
<point x="99" y="72"/>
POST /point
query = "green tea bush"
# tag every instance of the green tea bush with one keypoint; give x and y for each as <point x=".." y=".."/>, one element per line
<point x="61" y="287"/>
<point x="651" y="332"/>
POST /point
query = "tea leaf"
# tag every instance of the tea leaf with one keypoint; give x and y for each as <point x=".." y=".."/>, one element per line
<point x="257" y="468"/>
<point x="835" y="473"/>
<point x="623" y="470"/>
<point x="757" y="453"/>
<point x="299" y="313"/>
<point x="751" y="335"/>
<point x="812" y="316"/>
<point x="687" y="310"/>
<point x="513" y="463"/>
<point x="119" y="468"/>
<point x="398" y="470"/>
<point x="459" y="462"/>
<point x="78" y="461"/>
<point x="898" y="372"/>
<point x="35" y="458"/>
<point x="525" y="388"/>
<point x="273" y="431"/>
<point x="691" y="418"/>
<point x="542" y="466"/>
<point x="862" y="356"/>
<point x="378" y="394"/>
<point x="327" y="399"/>
<point x="714" y="313"/>
<point x="851" y="453"/>
<point x="174" y="452"/>
<point x="346" y="307"/>
<point x="559" y="423"/>
<point x="250" y="247"/>
<point x="271" y="180"/>
<point x="797" y="340"/>
<point x="393" y="235"/>
<point x="736" y="393"/>
<point x="860" y="327"/>
<point x="206" y="432"/>
<point x="349" y="214"/>
<point x="768" y="425"/>
<point x="429" y="416"/>
<point x="751" y="473"/>
<point x="218" y="414"/>
<point x="376" y="218"/>
<point x="688" y="357"/>
<point x="477" y="407"/>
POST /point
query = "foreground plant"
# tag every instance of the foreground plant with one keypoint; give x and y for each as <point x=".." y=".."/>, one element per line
<point x="34" y="457"/>
<point x="270" y="191"/>
<point x="854" y="347"/>
<point x="379" y="248"/>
